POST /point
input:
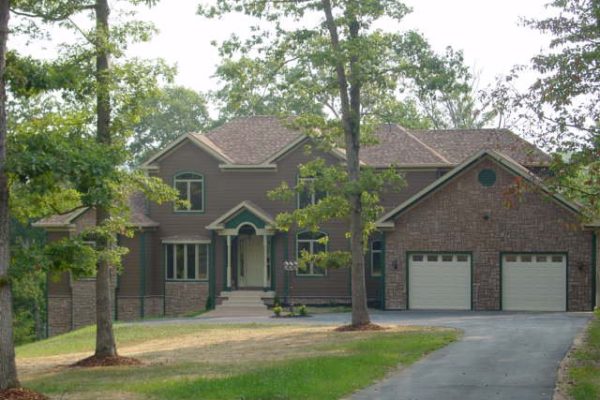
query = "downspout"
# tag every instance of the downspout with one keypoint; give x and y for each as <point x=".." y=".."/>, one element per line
<point x="383" y="269"/>
<point x="47" y="297"/>
<point x="595" y="294"/>
<point x="142" y="273"/>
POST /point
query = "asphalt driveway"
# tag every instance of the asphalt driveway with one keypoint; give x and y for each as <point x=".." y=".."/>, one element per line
<point x="500" y="356"/>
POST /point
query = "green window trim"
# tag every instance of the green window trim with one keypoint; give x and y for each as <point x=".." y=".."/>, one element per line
<point x="311" y="242"/>
<point x="197" y="267"/>
<point x="373" y="251"/>
<point x="315" y="196"/>
<point x="487" y="177"/>
<point x="192" y="177"/>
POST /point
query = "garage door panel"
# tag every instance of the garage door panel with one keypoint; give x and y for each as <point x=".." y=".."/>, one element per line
<point x="440" y="284"/>
<point x="536" y="285"/>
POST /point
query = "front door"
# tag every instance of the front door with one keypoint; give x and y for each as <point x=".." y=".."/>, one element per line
<point x="251" y="261"/>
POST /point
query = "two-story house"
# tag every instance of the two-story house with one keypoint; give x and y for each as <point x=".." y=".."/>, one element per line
<point x="448" y="240"/>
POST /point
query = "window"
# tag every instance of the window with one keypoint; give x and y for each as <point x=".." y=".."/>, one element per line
<point x="525" y="258"/>
<point x="309" y="242"/>
<point x="417" y="257"/>
<point x="432" y="257"/>
<point x="376" y="257"/>
<point x="186" y="262"/>
<point x="557" y="258"/>
<point x="308" y="196"/>
<point x="462" y="258"/>
<point x="191" y="188"/>
<point x="447" y="257"/>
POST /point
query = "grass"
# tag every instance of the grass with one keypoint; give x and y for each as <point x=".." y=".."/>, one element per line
<point x="584" y="370"/>
<point x="231" y="362"/>
<point x="83" y="339"/>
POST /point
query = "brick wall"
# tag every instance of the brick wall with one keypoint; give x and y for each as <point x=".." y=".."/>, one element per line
<point x="185" y="297"/>
<point x="452" y="219"/>
<point x="59" y="315"/>
<point x="84" y="301"/>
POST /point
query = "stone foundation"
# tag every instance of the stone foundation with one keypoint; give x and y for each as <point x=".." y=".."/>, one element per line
<point x="59" y="315"/>
<point x="185" y="297"/>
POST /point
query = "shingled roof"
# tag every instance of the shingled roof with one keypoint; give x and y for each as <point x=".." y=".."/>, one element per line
<point x="252" y="140"/>
<point x="397" y="146"/>
<point x="459" y="144"/>
<point x="256" y="141"/>
<point x="137" y="217"/>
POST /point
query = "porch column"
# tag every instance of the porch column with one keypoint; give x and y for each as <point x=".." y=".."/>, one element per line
<point x="265" y="258"/>
<point x="229" y="262"/>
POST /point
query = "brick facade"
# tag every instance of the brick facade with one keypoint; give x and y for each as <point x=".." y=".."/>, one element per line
<point x="466" y="216"/>
<point x="59" y="315"/>
<point x="185" y="297"/>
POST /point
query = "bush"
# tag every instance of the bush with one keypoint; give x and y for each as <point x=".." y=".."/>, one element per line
<point x="277" y="310"/>
<point x="276" y="301"/>
<point x="302" y="310"/>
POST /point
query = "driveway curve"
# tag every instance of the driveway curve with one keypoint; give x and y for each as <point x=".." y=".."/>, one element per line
<point x="501" y="355"/>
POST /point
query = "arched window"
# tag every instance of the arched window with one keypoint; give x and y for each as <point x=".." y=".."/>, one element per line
<point x="309" y="242"/>
<point x="191" y="188"/>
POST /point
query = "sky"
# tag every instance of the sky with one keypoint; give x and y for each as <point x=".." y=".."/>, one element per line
<point x="488" y="32"/>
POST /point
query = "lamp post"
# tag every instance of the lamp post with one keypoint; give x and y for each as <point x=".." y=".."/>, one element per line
<point x="289" y="266"/>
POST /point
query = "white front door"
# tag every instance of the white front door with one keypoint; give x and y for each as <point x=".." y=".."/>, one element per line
<point x="534" y="282"/>
<point x="439" y="281"/>
<point x="251" y="261"/>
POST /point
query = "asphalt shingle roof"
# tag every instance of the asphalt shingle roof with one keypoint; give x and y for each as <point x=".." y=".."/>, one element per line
<point x="252" y="140"/>
<point x="457" y="145"/>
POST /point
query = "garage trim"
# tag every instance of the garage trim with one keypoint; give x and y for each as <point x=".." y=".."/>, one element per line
<point x="425" y="252"/>
<point x="562" y="253"/>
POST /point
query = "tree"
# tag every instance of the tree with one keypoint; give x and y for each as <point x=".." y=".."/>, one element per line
<point x="174" y="111"/>
<point x="337" y="49"/>
<point x="78" y="144"/>
<point x="561" y="109"/>
<point x="436" y="90"/>
<point x="8" y="368"/>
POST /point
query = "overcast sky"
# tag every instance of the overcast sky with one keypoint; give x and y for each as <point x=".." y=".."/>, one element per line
<point x="488" y="31"/>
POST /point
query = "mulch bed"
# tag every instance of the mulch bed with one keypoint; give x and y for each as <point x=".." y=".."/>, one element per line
<point x="21" y="394"/>
<point x="359" y="328"/>
<point x="94" y="361"/>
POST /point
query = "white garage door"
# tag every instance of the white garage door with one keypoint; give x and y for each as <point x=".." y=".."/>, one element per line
<point x="534" y="282"/>
<point x="439" y="282"/>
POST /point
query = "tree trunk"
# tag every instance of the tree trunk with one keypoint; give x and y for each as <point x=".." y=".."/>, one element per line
<point x="8" y="368"/>
<point x="105" y="338"/>
<point x="350" y="88"/>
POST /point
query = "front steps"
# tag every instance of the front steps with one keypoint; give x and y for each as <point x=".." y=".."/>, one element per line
<point x="242" y="303"/>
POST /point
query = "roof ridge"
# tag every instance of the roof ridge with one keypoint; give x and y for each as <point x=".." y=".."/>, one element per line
<point x="431" y="149"/>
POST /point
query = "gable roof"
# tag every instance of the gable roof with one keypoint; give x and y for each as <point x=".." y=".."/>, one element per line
<point x="252" y="140"/>
<point x="137" y="216"/>
<point x="397" y="146"/>
<point x="507" y="162"/>
<point x="456" y="145"/>
<point x="221" y="222"/>
<point x="255" y="142"/>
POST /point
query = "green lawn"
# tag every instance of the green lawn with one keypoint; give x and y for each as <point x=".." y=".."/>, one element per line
<point x="229" y="362"/>
<point x="584" y="370"/>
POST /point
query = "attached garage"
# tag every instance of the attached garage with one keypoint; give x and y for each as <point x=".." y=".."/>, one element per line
<point x="534" y="282"/>
<point x="439" y="281"/>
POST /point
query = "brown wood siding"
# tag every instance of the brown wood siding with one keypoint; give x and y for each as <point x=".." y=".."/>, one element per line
<point x="129" y="278"/>
<point x="225" y="190"/>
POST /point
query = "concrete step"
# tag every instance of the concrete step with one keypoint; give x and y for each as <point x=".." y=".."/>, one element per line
<point x="242" y="305"/>
<point x="248" y="293"/>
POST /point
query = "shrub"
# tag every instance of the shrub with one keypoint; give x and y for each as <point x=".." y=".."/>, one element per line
<point x="302" y="310"/>
<point x="277" y="310"/>
<point x="276" y="301"/>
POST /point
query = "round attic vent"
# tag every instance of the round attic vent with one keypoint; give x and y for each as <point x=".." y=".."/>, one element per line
<point x="487" y="177"/>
